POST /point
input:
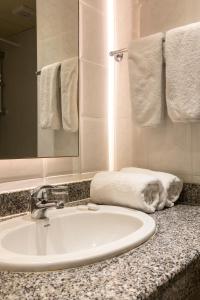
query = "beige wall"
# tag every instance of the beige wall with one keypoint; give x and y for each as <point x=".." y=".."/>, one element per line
<point x="93" y="78"/>
<point x="170" y="147"/>
<point x="93" y="123"/>
<point x="126" y="24"/>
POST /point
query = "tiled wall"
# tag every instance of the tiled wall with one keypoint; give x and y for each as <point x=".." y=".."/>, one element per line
<point x="126" y="24"/>
<point x="93" y="77"/>
<point x="170" y="147"/>
<point x="93" y="123"/>
<point x="57" y="40"/>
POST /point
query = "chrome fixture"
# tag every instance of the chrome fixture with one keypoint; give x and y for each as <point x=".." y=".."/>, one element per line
<point x="44" y="197"/>
<point x="118" y="54"/>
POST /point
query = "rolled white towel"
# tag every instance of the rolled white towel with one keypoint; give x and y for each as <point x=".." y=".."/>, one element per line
<point x="131" y="190"/>
<point x="172" y="185"/>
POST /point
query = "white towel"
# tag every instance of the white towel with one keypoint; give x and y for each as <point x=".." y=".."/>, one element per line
<point x="124" y="189"/>
<point x="172" y="185"/>
<point x="50" y="112"/>
<point x="69" y="94"/>
<point x="145" y="57"/>
<point x="183" y="73"/>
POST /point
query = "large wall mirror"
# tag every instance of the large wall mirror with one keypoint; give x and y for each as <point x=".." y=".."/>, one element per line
<point x="39" y="78"/>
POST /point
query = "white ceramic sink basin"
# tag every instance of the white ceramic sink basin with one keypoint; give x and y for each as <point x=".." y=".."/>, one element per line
<point x="71" y="237"/>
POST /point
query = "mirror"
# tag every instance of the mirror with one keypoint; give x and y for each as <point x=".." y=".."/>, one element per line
<point x="39" y="78"/>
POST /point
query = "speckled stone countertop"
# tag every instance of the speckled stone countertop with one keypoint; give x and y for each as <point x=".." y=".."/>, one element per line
<point x="165" y="267"/>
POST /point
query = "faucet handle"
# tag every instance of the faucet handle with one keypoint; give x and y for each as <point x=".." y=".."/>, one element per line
<point x="42" y="198"/>
<point x="41" y="192"/>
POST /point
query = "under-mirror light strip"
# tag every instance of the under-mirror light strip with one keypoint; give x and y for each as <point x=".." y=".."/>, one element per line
<point x="111" y="81"/>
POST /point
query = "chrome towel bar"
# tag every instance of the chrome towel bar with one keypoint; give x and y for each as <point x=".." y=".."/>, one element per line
<point x="118" y="54"/>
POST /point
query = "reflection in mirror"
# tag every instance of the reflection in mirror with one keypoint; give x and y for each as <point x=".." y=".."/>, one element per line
<point x="18" y="85"/>
<point x="38" y="78"/>
<point x="57" y="37"/>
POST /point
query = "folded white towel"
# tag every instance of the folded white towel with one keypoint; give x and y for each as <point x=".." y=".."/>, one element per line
<point x="124" y="189"/>
<point x="145" y="58"/>
<point x="69" y="94"/>
<point x="172" y="185"/>
<point x="183" y="73"/>
<point x="49" y="97"/>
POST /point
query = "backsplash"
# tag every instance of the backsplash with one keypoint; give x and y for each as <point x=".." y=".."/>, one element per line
<point x="190" y="194"/>
<point x="17" y="202"/>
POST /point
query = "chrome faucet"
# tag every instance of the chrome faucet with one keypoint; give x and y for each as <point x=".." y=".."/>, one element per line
<point x="40" y="201"/>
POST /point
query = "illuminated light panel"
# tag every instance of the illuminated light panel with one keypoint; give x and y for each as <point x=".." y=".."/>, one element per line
<point x="111" y="83"/>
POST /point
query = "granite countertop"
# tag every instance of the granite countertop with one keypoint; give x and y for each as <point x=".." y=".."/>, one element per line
<point x="161" y="268"/>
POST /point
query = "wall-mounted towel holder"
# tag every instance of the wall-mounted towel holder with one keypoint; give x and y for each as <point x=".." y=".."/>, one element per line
<point x="119" y="54"/>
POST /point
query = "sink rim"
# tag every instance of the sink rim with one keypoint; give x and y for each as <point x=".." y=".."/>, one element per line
<point x="20" y="262"/>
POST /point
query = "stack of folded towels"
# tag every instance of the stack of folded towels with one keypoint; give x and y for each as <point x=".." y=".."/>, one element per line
<point x="136" y="188"/>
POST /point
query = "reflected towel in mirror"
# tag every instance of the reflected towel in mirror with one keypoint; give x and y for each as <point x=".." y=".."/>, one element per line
<point x="50" y="113"/>
<point x="69" y="94"/>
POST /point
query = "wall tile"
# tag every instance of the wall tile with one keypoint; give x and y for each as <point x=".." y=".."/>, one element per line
<point x="140" y="149"/>
<point x="195" y="179"/>
<point x="126" y="27"/>
<point x="94" y="146"/>
<point x="192" y="11"/>
<point x="124" y="143"/>
<point x="169" y="147"/>
<point x="126" y="22"/>
<point x="20" y="169"/>
<point x="59" y="166"/>
<point x="93" y="81"/>
<point x="55" y="49"/>
<point x="93" y="107"/>
<point x="97" y="4"/>
<point x="159" y="15"/>
<point x="93" y="36"/>
<point x="47" y="17"/>
<point x="123" y="105"/>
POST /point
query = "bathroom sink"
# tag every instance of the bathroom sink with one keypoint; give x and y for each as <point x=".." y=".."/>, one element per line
<point x="71" y="237"/>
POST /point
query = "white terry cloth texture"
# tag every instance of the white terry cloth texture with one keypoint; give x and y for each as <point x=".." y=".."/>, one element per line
<point x="126" y="189"/>
<point x="172" y="185"/>
<point x="49" y="97"/>
<point x="183" y="73"/>
<point x="69" y="94"/>
<point x="146" y="71"/>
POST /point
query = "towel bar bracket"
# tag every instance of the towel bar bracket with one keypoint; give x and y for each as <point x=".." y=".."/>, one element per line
<point x="118" y="57"/>
<point x="118" y="54"/>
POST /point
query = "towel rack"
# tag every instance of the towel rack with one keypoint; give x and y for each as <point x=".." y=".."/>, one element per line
<point x="118" y="54"/>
